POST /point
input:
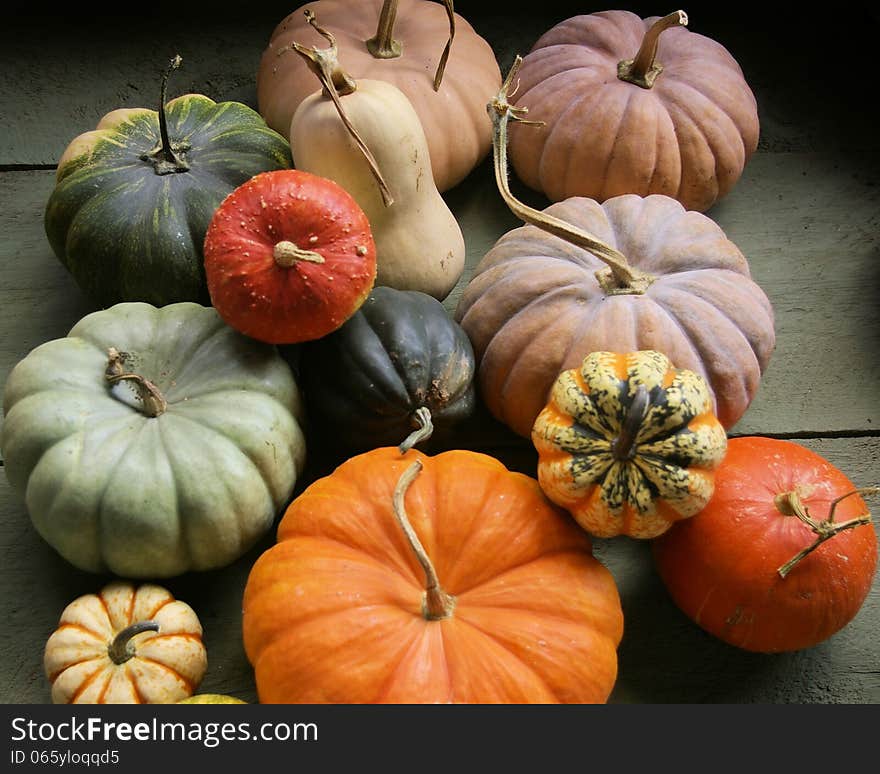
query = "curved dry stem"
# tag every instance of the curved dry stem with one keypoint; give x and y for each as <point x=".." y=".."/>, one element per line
<point x="620" y="277"/>
<point x="790" y="503"/>
<point x="121" y="650"/>
<point x="153" y="403"/>
<point x="335" y="81"/>
<point x="437" y="604"/>
<point x="165" y="157"/>
<point x="424" y="430"/>
<point x="444" y="57"/>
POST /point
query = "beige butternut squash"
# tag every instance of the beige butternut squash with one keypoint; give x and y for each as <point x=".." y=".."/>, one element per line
<point x="367" y="137"/>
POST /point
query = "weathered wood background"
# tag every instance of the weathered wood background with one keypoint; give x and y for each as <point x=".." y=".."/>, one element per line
<point x="806" y="213"/>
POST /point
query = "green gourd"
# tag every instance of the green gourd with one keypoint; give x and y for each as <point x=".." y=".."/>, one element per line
<point x="133" y="198"/>
<point x="399" y="366"/>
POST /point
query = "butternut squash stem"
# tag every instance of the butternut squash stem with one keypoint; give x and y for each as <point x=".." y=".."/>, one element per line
<point x="790" y="503"/>
<point x="325" y="64"/>
<point x="383" y="45"/>
<point x="623" y="279"/>
<point x="424" y="430"/>
<point x="121" y="650"/>
<point x="436" y="604"/>
<point x="643" y="69"/>
<point x="164" y="157"/>
<point x="287" y="254"/>
<point x="153" y="403"/>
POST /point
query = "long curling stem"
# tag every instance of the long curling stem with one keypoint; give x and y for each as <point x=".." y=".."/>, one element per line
<point x="437" y="603"/>
<point x="324" y="63"/>
<point x="624" y="277"/>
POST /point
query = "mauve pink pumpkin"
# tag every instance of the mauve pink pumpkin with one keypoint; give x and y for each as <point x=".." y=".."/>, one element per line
<point x="534" y="306"/>
<point x="688" y="136"/>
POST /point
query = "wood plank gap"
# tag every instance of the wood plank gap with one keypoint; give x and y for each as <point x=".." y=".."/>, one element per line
<point x="27" y="167"/>
<point x="811" y="434"/>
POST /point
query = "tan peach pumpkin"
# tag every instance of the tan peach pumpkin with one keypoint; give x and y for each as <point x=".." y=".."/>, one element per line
<point x="404" y="43"/>
<point x="633" y="105"/>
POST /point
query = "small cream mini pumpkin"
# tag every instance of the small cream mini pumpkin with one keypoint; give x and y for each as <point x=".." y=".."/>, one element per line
<point x="126" y="644"/>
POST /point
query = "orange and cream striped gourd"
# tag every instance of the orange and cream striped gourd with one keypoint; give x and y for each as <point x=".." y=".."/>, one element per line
<point x="628" y="444"/>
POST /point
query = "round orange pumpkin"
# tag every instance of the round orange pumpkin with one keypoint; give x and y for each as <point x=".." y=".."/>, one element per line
<point x="415" y="579"/>
<point x="402" y="43"/>
<point x="289" y="257"/>
<point x="781" y="558"/>
<point x="633" y="105"/>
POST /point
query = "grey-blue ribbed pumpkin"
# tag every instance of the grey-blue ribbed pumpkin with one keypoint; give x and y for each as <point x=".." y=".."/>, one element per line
<point x="150" y="441"/>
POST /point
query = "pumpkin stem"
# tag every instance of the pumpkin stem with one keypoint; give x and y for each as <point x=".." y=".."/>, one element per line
<point x="790" y="504"/>
<point x="383" y="45"/>
<point x="424" y="430"/>
<point x="623" y="446"/>
<point x="643" y="70"/>
<point x="619" y="278"/>
<point x="121" y="649"/>
<point x="286" y="254"/>
<point x="444" y="57"/>
<point x="164" y="157"/>
<point x="437" y="604"/>
<point x="325" y="64"/>
<point x="153" y="403"/>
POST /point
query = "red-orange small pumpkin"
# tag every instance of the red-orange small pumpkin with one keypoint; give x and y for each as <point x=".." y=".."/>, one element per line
<point x="781" y="558"/>
<point x="464" y="584"/>
<point x="289" y="257"/>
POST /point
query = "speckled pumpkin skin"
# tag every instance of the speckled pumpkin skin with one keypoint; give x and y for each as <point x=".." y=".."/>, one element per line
<point x="639" y="487"/>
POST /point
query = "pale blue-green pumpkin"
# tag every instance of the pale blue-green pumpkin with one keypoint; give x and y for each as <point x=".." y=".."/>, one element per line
<point x="152" y="480"/>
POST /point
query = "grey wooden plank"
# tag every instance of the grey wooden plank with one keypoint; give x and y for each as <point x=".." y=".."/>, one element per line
<point x="808" y="224"/>
<point x="40" y="300"/>
<point x="663" y="658"/>
<point x="116" y="62"/>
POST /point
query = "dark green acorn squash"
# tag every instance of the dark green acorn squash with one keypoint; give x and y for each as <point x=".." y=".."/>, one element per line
<point x="398" y="363"/>
<point x="133" y="198"/>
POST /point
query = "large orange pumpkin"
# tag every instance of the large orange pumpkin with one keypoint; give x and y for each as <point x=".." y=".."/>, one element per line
<point x="627" y="109"/>
<point x="416" y="579"/>
<point x="404" y="44"/>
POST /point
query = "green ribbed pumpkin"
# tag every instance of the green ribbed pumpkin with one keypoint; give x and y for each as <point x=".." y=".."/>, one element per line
<point x="152" y="441"/>
<point x="133" y="198"/>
